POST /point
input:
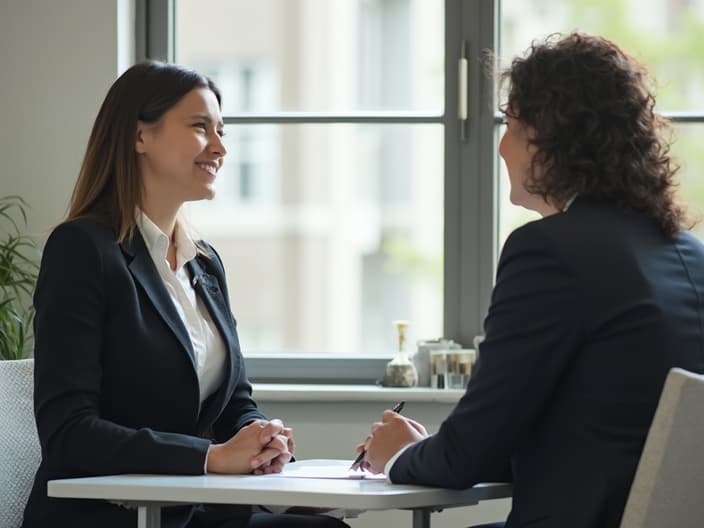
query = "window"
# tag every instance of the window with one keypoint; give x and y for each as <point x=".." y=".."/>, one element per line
<point x="329" y="212"/>
<point x="329" y="230"/>
<point x="353" y="194"/>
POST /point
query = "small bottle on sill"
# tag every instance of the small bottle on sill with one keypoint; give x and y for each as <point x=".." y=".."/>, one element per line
<point x="400" y="371"/>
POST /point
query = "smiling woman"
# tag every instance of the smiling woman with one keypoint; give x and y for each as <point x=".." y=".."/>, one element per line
<point x="126" y="300"/>
<point x="148" y="99"/>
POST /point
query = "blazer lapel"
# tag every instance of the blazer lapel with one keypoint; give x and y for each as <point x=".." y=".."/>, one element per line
<point x="145" y="273"/>
<point x="208" y="289"/>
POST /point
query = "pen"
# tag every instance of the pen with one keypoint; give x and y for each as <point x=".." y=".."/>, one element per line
<point x="357" y="461"/>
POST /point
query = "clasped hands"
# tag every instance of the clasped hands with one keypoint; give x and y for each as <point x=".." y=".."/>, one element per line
<point x="260" y="447"/>
<point x="388" y="436"/>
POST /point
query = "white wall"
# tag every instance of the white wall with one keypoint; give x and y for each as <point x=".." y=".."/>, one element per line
<point x="57" y="60"/>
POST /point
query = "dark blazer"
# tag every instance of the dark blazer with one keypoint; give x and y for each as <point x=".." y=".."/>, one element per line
<point x="590" y="310"/>
<point x="116" y="389"/>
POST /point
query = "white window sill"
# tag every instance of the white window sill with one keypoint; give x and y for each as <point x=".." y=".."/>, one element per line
<point x="281" y="392"/>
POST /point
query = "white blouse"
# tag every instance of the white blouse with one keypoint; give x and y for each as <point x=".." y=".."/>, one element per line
<point x="208" y="345"/>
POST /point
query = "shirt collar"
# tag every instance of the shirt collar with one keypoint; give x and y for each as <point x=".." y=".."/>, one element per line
<point x="158" y="243"/>
<point x="569" y="202"/>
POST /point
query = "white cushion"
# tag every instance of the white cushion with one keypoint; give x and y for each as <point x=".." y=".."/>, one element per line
<point x="19" y="445"/>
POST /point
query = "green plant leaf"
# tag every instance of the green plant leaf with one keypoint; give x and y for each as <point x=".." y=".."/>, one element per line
<point x="18" y="275"/>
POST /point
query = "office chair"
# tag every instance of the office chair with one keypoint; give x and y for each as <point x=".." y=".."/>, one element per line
<point x="667" y="489"/>
<point x="19" y="444"/>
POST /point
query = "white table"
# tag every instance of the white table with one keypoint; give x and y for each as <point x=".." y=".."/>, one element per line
<point x="149" y="493"/>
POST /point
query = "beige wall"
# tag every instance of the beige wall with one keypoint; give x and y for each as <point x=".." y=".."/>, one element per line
<point x="57" y="60"/>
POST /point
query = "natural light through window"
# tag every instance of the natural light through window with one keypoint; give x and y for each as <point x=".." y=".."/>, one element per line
<point x="329" y="231"/>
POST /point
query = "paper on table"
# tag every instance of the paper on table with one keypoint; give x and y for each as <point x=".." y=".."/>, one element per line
<point x="326" y="469"/>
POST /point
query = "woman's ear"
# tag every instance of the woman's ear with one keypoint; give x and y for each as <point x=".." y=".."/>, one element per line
<point x="140" y="143"/>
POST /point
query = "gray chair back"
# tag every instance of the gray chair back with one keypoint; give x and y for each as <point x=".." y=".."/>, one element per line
<point x="19" y="444"/>
<point x="667" y="489"/>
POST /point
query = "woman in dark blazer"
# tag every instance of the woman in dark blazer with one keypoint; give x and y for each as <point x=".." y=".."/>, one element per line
<point x="137" y="364"/>
<point x="593" y="303"/>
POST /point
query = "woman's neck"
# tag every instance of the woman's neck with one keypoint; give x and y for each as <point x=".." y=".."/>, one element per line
<point x="163" y="217"/>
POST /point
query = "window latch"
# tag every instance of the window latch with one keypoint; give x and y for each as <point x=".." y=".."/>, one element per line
<point x="462" y="90"/>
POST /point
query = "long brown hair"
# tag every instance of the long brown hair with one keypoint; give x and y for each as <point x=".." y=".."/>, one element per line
<point x="109" y="186"/>
<point x="595" y="128"/>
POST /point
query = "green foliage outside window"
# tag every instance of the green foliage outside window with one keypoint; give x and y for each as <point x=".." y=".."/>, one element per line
<point x="674" y="59"/>
<point x="669" y="42"/>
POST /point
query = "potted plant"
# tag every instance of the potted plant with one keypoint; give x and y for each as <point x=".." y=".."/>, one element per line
<point x="18" y="274"/>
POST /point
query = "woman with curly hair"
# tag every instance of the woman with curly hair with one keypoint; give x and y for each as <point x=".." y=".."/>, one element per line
<point x="593" y="303"/>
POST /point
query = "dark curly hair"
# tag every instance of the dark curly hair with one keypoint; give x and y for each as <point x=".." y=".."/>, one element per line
<point x="595" y="128"/>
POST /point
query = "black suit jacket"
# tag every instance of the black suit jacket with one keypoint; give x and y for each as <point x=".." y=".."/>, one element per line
<point x="590" y="310"/>
<point x="116" y="389"/>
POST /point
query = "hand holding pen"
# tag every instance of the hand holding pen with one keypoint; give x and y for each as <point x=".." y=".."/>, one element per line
<point x="357" y="464"/>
